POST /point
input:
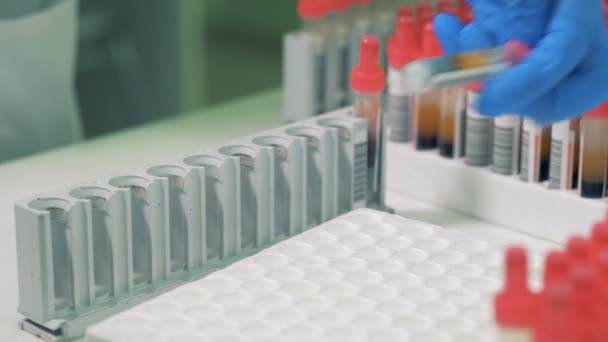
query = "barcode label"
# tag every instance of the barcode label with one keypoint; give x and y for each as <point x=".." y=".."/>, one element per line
<point x="525" y="154"/>
<point x="399" y="118"/>
<point x="555" y="166"/>
<point x="360" y="173"/>
<point x="478" y="138"/>
<point x="503" y="154"/>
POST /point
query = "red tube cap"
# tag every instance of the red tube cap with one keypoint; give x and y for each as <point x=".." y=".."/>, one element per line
<point x="402" y="45"/>
<point x="600" y="112"/>
<point x="430" y="44"/>
<point x="340" y="5"/>
<point x="578" y="250"/>
<point x="585" y="315"/>
<point x="313" y="9"/>
<point x="445" y="6"/>
<point x="368" y="76"/>
<point x="475" y="87"/>
<point x="516" y="306"/>
<point x="599" y="239"/>
<point x="556" y="315"/>
<point x="556" y="269"/>
<point x="405" y="11"/>
<point x="423" y="6"/>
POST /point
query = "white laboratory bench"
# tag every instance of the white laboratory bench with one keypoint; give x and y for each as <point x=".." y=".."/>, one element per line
<point x="165" y="141"/>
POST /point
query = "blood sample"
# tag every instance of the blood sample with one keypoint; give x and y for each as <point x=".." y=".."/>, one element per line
<point x="563" y="169"/>
<point x="478" y="142"/>
<point x="401" y="50"/>
<point x="426" y="112"/>
<point x="368" y="82"/>
<point x="594" y="153"/>
<point x="464" y="68"/>
<point x="452" y="119"/>
<point x="535" y="152"/>
<point x="505" y="146"/>
<point x="313" y="14"/>
<point x="516" y="307"/>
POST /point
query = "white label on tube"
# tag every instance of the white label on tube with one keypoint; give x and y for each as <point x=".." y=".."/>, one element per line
<point x="562" y="156"/>
<point x="505" y="154"/>
<point x="530" y="152"/>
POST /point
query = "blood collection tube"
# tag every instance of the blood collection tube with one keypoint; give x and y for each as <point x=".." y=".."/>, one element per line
<point x="563" y="163"/>
<point x="361" y="25"/>
<point x="594" y="153"/>
<point x="313" y="14"/>
<point x="516" y="307"/>
<point x="478" y="136"/>
<point x="452" y="121"/>
<point x="426" y="111"/>
<point x="401" y="50"/>
<point x="340" y="26"/>
<point x="367" y="82"/>
<point x="535" y="152"/>
<point x="464" y="68"/>
<point x="384" y="24"/>
<point x="505" y="146"/>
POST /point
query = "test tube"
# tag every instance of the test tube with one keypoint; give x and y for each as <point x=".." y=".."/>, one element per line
<point x="452" y="121"/>
<point x="313" y="14"/>
<point x="368" y="82"/>
<point x="401" y="50"/>
<point x="563" y="165"/>
<point x="505" y="146"/>
<point x="361" y="25"/>
<point x="464" y="68"/>
<point x="535" y="152"/>
<point x="594" y="153"/>
<point x="339" y="77"/>
<point x="426" y="111"/>
<point x="478" y="132"/>
<point x="384" y="23"/>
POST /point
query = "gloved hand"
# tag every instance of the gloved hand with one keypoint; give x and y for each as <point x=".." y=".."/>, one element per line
<point x="566" y="73"/>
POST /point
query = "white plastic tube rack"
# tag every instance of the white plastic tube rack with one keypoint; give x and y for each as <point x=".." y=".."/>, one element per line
<point x="531" y="208"/>
<point x="89" y="252"/>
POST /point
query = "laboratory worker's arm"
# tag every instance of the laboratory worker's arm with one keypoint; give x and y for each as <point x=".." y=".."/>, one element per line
<point x="38" y="107"/>
<point x="565" y="74"/>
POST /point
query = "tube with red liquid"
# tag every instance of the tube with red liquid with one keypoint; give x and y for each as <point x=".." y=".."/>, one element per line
<point x="368" y="80"/>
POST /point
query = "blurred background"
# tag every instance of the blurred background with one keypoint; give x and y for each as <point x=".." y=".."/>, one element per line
<point x="143" y="60"/>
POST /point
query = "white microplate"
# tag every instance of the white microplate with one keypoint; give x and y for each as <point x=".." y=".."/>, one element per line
<point x="365" y="276"/>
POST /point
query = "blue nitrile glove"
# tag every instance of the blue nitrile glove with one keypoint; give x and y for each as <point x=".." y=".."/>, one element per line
<point x="566" y="73"/>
